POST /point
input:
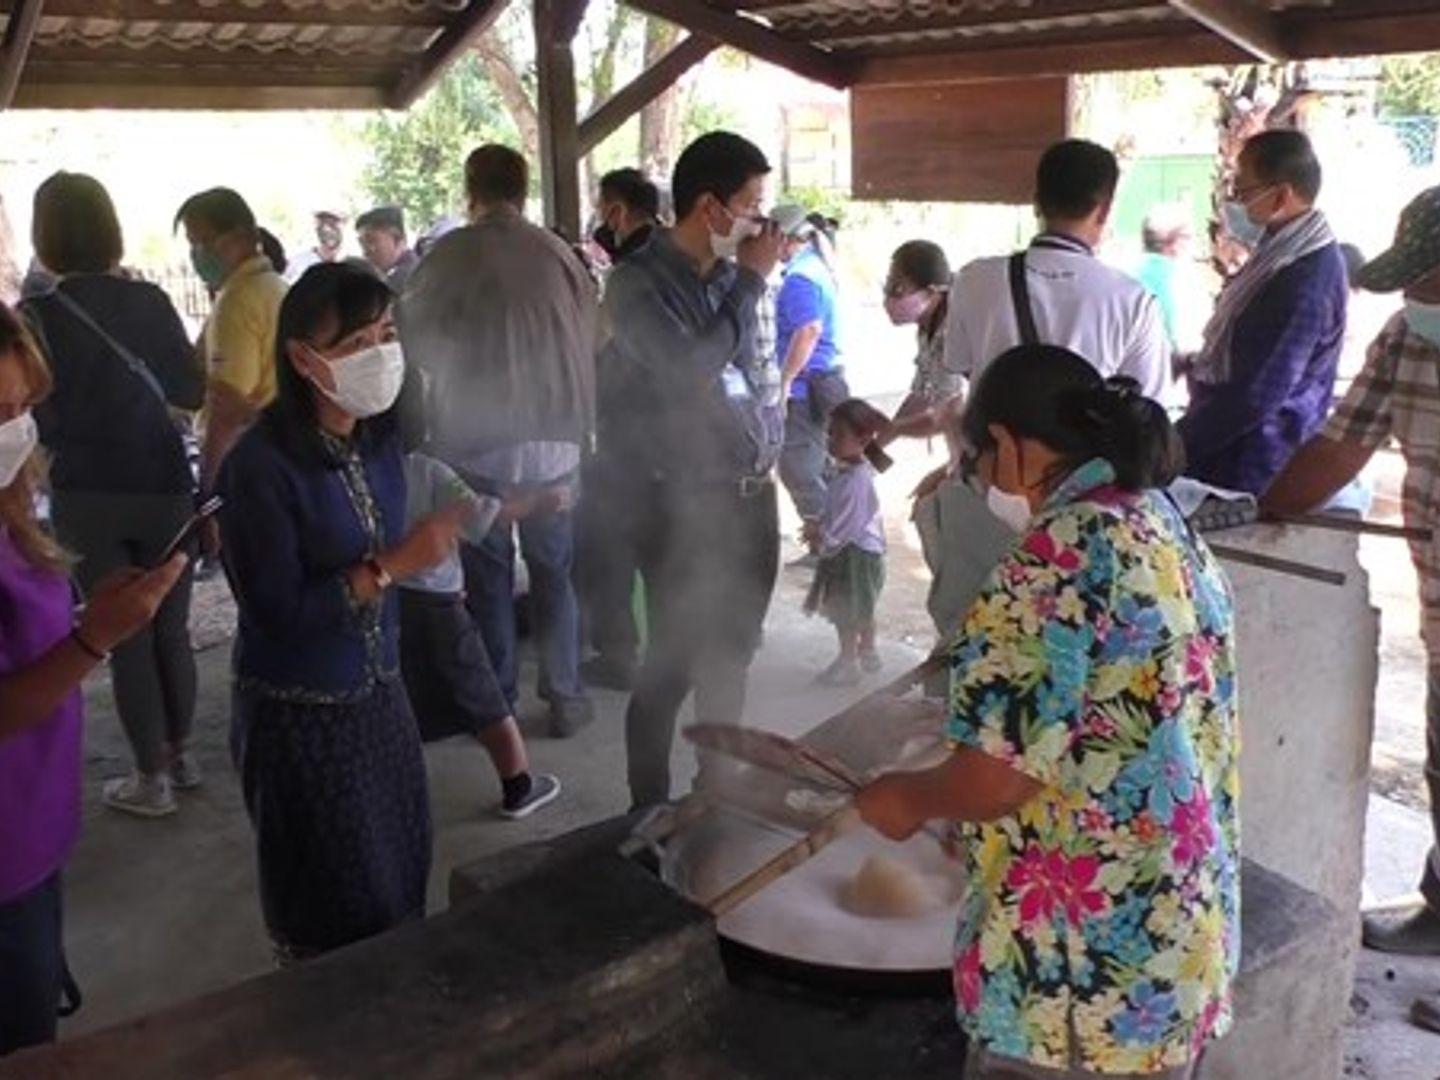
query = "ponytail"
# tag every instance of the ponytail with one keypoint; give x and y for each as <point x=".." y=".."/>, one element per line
<point x="1053" y="396"/>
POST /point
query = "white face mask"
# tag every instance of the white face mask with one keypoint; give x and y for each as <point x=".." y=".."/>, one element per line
<point x="1013" y="510"/>
<point x="726" y="246"/>
<point x="18" y="437"/>
<point x="367" y="382"/>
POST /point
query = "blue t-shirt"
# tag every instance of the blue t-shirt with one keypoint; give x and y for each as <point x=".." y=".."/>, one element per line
<point x="808" y="295"/>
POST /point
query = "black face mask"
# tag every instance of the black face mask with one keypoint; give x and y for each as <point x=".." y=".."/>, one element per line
<point x="605" y="237"/>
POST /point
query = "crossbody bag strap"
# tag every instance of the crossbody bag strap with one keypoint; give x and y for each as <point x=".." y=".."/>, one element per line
<point x="133" y="362"/>
<point x="1020" y="297"/>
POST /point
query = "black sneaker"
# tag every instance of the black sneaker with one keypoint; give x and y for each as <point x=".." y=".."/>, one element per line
<point x="544" y="789"/>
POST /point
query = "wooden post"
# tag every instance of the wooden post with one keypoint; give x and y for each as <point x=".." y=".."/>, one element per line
<point x="556" y="23"/>
<point x="19" y="33"/>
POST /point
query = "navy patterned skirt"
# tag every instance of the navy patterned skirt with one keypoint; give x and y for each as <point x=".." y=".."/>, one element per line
<point x="337" y="796"/>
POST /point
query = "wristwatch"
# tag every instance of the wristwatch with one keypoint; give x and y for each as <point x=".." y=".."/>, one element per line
<point x="383" y="580"/>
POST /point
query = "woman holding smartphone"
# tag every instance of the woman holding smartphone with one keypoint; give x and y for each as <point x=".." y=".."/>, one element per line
<point x="44" y="654"/>
<point x="314" y="538"/>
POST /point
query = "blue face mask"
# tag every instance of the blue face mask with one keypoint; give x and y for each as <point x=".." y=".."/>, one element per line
<point x="1423" y="320"/>
<point x="207" y="266"/>
<point x="1238" y="224"/>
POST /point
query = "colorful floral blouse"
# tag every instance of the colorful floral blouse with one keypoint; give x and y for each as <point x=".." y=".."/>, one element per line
<point x="1102" y="928"/>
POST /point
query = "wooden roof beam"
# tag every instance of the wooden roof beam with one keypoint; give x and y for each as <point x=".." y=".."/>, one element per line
<point x="1242" y="23"/>
<point x="605" y="118"/>
<point x="751" y="37"/>
<point x="447" y="47"/>
<point x="1380" y="30"/>
<point x="1129" y="52"/>
<point x="19" y="33"/>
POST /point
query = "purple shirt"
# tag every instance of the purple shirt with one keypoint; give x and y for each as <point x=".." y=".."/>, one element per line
<point x="39" y="766"/>
<point x="1284" y="353"/>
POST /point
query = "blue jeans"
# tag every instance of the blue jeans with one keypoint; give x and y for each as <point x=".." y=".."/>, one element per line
<point x="547" y="542"/>
<point x="803" y="461"/>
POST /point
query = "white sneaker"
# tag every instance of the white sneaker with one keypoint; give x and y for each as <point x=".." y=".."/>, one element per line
<point x="185" y="771"/>
<point x="141" y="795"/>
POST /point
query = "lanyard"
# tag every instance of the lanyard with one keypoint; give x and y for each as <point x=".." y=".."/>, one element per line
<point x="1020" y="287"/>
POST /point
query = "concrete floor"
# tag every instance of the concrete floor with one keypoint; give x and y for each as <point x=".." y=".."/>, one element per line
<point x="159" y="911"/>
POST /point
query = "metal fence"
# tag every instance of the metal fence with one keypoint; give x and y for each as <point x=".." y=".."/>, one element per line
<point x="1416" y="134"/>
<point x="187" y="292"/>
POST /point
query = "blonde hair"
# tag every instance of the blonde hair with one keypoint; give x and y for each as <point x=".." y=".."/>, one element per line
<point x="17" y="502"/>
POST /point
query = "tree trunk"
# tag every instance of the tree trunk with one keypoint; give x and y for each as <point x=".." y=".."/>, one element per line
<point x="660" y="120"/>
<point x="602" y="80"/>
<point x="504" y="72"/>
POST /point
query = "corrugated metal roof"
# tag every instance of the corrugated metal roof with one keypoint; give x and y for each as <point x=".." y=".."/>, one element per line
<point x="291" y="52"/>
<point x="858" y="26"/>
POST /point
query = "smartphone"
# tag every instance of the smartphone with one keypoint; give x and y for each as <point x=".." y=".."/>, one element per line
<point x="190" y="530"/>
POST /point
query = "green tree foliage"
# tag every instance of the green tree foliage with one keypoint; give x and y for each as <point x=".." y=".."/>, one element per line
<point x="1410" y="85"/>
<point x="417" y="157"/>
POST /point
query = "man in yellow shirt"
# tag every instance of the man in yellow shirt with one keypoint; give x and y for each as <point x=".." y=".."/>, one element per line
<point x="239" y="340"/>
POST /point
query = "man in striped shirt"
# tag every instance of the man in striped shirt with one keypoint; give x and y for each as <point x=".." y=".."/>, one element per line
<point x="1397" y="395"/>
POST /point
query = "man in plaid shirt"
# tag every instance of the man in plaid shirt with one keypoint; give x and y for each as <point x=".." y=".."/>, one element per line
<point x="1396" y="395"/>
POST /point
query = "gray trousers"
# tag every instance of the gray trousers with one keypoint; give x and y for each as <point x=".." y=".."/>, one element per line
<point x="803" y="460"/>
<point x="152" y="674"/>
<point x="980" y="1064"/>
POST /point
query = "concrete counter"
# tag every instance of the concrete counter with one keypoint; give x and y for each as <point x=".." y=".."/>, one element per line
<point x="1307" y="660"/>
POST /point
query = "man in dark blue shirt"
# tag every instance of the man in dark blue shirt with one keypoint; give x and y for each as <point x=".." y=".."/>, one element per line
<point x="683" y="314"/>
<point x="1263" y="381"/>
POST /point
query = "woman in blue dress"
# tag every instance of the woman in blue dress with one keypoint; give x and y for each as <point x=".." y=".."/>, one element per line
<point x="313" y="539"/>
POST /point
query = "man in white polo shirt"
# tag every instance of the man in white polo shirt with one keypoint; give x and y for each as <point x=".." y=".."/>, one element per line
<point x="1057" y="293"/>
<point x="1074" y="300"/>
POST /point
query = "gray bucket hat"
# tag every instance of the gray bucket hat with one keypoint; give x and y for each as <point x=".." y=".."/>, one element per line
<point x="792" y="219"/>
<point x="1415" y="252"/>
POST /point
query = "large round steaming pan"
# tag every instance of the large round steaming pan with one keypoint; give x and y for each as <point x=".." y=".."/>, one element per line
<point x="799" y="919"/>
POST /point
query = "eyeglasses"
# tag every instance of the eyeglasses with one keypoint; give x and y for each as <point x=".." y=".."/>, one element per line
<point x="1245" y="194"/>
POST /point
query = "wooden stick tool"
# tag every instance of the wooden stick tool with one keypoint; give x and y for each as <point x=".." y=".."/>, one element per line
<point x="838" y="824"/>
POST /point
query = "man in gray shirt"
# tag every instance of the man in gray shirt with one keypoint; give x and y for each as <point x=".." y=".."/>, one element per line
<point x="684" y="318"/>
<point x="500" y="318"/>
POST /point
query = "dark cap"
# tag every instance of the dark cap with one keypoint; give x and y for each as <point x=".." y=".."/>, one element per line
<point x="382" y="217"/>
<point x="1415" y="252"/>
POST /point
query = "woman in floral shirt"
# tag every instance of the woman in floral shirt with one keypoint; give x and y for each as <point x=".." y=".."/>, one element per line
<point x="1095" y="761"/>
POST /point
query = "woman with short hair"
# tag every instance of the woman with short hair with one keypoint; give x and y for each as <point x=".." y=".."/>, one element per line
<point x="121" y="482"/>
<point x="1095" y="756"/>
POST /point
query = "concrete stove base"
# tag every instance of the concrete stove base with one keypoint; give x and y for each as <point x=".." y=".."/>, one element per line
<point x="564" y="959"/>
